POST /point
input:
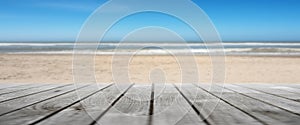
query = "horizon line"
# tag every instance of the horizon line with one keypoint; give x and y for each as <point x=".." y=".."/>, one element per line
<point x="67" y="41"/>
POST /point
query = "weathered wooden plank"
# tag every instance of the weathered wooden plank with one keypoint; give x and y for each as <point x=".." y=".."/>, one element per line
<point x="286" y="104"/>
<point x="38" y="112"/>
<point x="282" y="87"/>
<point x="273" y="91"/>
<point x="295" y="86"/>
<point x="27" y="92"/>
<point x="263" y="112"/>
<point x="6" y="85"/>
<point x="18" y="88"/>
<point x="132" y="108"/>
<point x="10" y="85"/>
<point x="19" y="103"/>
<point x="216" y="111"/>
<point x="123" y="89"/>
<point x="170" y="107"/>
<point x="144" y="104"/>
<point x="294" y="89"/>
<point x="88" y="110"/>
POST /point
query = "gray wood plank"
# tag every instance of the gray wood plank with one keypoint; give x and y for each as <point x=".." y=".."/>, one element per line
<point x="10" y="85"/>
<point x="123" y="90"/>
<point x="38" y="112"/>
<point x="295" y="86"/>
<point x="273" y="91"/>
<point x="170" y="107"/>
<point x="146" y="104"/>
<point x="132" y="108"/>
<point x="88" y="110"/>
<point x="283" y="87"/>
<point x="19" y="103"/>
<point x="6" y="85"/>
<point x="286" y="104"/>
<point x="263" y="112"/>
<point x="31" y="91"/>
<point x="216" y="111"/>
<point x="18" y="88"/>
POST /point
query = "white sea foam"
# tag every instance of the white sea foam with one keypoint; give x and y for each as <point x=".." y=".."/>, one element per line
<point x="286" y="49"/>
<point x="170" y="52"/>
<point x="153" y="44"/>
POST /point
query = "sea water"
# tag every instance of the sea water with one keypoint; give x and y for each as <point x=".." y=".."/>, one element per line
<point x="154" y="48"/>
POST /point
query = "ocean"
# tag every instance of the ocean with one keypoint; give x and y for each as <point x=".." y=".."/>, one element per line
<point x="107" y="48"/>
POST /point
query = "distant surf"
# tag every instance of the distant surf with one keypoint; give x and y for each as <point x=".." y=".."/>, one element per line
<point x="229" y="48"/>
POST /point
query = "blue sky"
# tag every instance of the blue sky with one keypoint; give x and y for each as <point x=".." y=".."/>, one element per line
<point x="235" y="20"/>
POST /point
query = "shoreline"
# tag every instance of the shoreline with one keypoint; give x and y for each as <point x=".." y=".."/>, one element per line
<point x="196" y="55"/>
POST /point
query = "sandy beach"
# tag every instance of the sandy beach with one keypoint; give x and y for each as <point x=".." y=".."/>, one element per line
<point x="58" y="69"/>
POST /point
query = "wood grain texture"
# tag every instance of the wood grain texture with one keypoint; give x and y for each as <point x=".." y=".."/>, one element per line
<point x="132" y="108"/>
<point x="4" y="86"/>
<point x="294" y="86"/>
<point x="152" y="104"/>
<point x="265" y="113"/>
<point x="27" y="92"/>
<point x="293" y="89"/>
<point x="17" y="88"/>
<point x="216" y="111"/>
<point x="19" y="103"/>
<point x="285" y="104"/>
<point x="88" y="110"/>
<point x="273" y="91"/>
<point x="37" y="112"/>
<point x="170" y="107"/>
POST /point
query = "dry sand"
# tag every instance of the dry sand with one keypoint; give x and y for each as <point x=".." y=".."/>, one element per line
<point x="58" y="69"/>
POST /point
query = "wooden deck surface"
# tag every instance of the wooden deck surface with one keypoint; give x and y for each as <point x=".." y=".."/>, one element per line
<point x="157" y="104"/>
